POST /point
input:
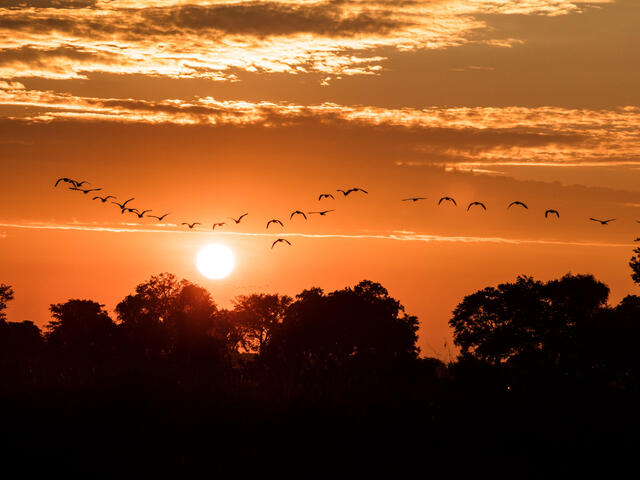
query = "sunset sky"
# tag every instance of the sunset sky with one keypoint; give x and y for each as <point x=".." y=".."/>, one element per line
<point x="208" y="109"/>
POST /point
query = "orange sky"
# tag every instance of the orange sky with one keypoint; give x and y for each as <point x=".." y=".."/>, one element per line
<point x="209" y="109"/>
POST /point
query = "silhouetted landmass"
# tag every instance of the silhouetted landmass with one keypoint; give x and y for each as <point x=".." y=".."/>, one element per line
<point x="546" y="384"/>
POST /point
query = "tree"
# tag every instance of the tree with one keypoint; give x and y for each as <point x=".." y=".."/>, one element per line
<point x="6" y="294"/>
<point x="355" y="325"/>
<point x="81" y="329"/>
<point x="634" y="263"/>
<point x="167" y="315"/>
<point x="528" y="320"/>
<point x="257" y="316"/>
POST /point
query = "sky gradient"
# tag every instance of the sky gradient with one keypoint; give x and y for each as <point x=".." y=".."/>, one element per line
<point x="210" y="109"/>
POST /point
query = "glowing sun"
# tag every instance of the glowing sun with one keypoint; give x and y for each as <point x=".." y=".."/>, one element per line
<point x="215" y="261"/>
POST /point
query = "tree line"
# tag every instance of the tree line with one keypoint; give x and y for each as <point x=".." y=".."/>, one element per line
<point x="179" y="381"/>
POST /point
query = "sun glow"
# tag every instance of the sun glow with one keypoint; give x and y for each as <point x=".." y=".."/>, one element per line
<point x="215" y="261"/>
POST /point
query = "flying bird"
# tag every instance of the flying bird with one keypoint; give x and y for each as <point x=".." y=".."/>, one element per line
<point x="66" y="180"/>
<point x="139" y="213"/>
<point x="219" y="224"/>
<point x="103" y="199"/>
<point x="79" y="184"/>
<point x="554" y="212"/>
<point x="447" y="199"/>
<point x="326" y="195"/>
<point x="123" y="206"/>
<point x="280" y="240"/>
<point x="413" y="199"/>
<point x="275" y="220"/>
<point x="476" y="203"/>
<point x="517" y="202"/>
<point x="351" y="190"/>
<point x="324" y="212"/>
<point x="191" y="225"/>
<point x="85" y="191"/>
<point x="237" y="220"/>
<point x="160" y="218"/>
<point x="603" y="222"/>
<point x="297" y="212"/>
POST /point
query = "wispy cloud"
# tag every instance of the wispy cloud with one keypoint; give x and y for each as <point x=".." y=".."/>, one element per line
<point x="401" y="236"/>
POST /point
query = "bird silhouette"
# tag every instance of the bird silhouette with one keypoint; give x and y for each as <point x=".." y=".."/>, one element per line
<point x="447" y="199"/>
<point x="79" y="184"/>
<point x="297" y="212"/>
<point x="326" y="195"/>
<point x="517" y="202"/>
<point x="476" y="203"/>
<point x="191" y="225"/>
<point x="219" y="224"/>
<point x="139" y="213"/>
<point x="413" y="199"/>
<point x="547" y="212"/>
<point x="160" y="218"/>
<point x="274" y="220"/>
<point x="85" y="191"/>
<point x="324" y="212"/>
<point x="66" y="180"/>
<point x="280" y="240"/>
<point x="355" y="189"/>
<point x="123" y="206"/>
<point x="602" y="222"/>
<point x="237" y="220"/>
<point x="103" y="199"/>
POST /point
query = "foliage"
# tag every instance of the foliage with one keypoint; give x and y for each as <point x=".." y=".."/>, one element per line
<point x="6" y="294"/>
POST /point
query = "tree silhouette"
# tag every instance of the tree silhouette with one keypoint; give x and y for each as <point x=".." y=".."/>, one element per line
<point x="634" y="263"/>
<point x="359" y="324"/>
<point x="6" y="294"/>
<point x="167" y="316"/>
<point x="257" y="316"/>
<point x="527" y="320"/>
<point x="81" y="333"/>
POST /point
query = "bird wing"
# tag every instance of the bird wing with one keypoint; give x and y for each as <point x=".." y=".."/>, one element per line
<point x="130" y="200"/>
<point x="288" y="242"/>
<point x="595" y="219"/>
<point x="302" y="213"/>
<point x="362" y="190"/>
<point x="482" y="205"/>
<point x="610" y="220"/>
<point x="242" y="216"/>
<point x="58" y="181"/>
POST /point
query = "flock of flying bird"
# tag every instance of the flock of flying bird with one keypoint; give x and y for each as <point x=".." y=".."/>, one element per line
<point x="124" y="208"/>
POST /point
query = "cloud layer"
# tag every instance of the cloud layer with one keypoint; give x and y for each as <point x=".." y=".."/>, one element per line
<point x="457" y="137"/>
<point x="70" y="39"/>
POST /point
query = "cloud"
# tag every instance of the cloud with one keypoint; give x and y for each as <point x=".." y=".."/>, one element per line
<point x="391" y="236"/>
<point x="68" y="39"/>
<point x="457" y="137"/>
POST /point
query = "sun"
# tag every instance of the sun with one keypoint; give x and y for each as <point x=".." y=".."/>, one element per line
<point x="215" y="261"/>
